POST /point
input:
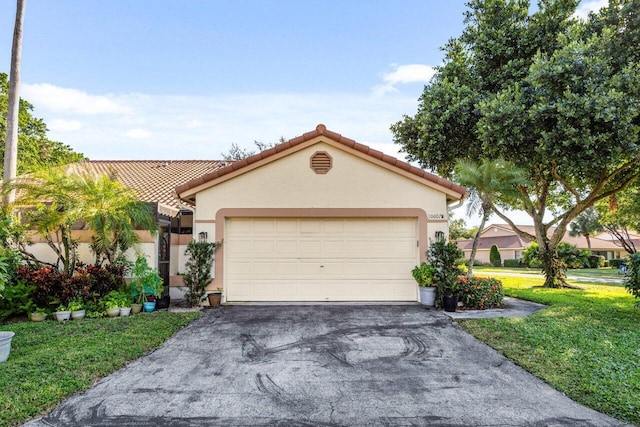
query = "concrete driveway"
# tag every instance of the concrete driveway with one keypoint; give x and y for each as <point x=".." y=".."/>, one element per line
<point x="322" y="365"/>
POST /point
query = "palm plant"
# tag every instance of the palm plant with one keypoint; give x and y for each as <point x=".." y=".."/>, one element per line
<point x="489" y="181"/>
<point x="586" y="224"/>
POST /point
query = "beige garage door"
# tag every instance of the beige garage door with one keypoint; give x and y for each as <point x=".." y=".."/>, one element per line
<point x="320" y="259"/>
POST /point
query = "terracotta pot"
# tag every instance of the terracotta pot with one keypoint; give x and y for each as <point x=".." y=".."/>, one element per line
<point x="214" y="299"/>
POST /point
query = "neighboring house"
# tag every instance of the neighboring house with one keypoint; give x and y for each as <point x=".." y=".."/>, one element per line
<point x="319" y="218"/>
<point x="511" y="245"/>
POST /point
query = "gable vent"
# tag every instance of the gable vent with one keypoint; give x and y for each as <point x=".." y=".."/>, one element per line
<point x="321" y="162"/>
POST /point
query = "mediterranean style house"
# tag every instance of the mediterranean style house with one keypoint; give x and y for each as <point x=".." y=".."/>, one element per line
<point x="511" y="245"/>
<point x="317" y="218"/>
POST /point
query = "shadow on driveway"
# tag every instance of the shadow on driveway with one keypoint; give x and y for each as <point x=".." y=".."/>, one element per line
<point x="320" y="365"/>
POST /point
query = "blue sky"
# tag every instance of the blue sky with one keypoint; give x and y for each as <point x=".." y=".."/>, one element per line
<point x="122" y="79"/>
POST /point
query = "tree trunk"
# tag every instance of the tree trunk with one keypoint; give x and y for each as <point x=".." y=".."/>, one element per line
<point x="11" y="141"/>
<point x="588" y="241"/>
<point x="476" y="239"/>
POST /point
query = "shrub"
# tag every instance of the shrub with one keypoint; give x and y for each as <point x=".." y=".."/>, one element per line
<point x="494" y="256"/>
<point x="596" y="261"/>
<point x="615" y="263"/>
<point x="443" y="256"/>
<point x="530" y="256"/>
<point x="480" y="293"/>
<point x="572" y="256"/>
<point x="632" y="276"/>
<point x="16" y="300"/>
<point x="198" y="270"/>
<point x="513" y="263"/>
<point x="423" y="274"/>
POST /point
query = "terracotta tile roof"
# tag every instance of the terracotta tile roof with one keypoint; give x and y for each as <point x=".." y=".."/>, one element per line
<point x="155" y="180"/>
<point x="322" y="130"/>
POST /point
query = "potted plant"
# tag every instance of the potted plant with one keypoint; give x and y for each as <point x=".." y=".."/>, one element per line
<point x="198" y="271"/>
<point x="423" y="274"/>
<point x="39" y="315"/>
<point x="62" y="313"/>
<point x="77" y="309"/>
<point x="111" y="303"/>
<point x="124" y="304"/>
<point x="215" y="297"/>
<point x="146" y="283"/>
<point x="5" y="344"/>
<point x="443" y="257"/>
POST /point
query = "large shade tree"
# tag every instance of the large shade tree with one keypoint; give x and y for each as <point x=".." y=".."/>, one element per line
<point x="555" y="95"/>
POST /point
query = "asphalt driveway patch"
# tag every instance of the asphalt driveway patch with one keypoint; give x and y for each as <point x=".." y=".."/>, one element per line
<point x="320" y="365"/>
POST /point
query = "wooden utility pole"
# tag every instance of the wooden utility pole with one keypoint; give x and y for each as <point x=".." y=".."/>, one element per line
<point x="11" y="141"/>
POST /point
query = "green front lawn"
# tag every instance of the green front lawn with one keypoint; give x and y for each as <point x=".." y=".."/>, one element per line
<point x="50" y="361"/>
<point x="605" y="273"/>
<point x="586" y="344"/>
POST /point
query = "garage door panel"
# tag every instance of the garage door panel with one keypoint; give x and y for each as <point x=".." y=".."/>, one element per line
<point x="346" y="259"/>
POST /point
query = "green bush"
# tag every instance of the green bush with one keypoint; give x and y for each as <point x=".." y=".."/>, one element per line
<point x="596" y="261"/>
<point x="16" y="300"/>
<point x="632" y="276"/>
<point x="198" y="270"/>
<point x="443" y="256"/>
<point x="572" y="256"/>
<point x="494" y="256"/>
<point x="480" y="293"/>
<point x="423" y="274"/>
<point x="615" y="263"/>
<point x="513" y="263"/>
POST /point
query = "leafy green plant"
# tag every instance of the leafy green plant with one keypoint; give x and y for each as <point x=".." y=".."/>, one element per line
<point x="61" y="307"/>
<point x="423" y="274"/>
<point x="494" y="256"/>
<point x="145" y="281"/>
<point x="16" y="300"/>
<point x="480" y="293"/>
<point x="632" y="276"/>
<point x="111" y="300"/>
<point x="198" y="270"/>
<point x="443" y="256"/>
<point x="75" y="305"/>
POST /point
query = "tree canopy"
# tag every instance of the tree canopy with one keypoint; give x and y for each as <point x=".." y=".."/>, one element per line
<point x="557" y="96"/>
<point x="35" y="149"/>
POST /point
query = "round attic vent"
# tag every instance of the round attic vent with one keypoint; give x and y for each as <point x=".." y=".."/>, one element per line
<point x="321" y="162"/>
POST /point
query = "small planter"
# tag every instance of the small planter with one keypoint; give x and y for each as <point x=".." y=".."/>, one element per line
<point x="78" y="314"/>
<point x="61" y="316"/>
<point x="136" y="308"/>
<point x="5" y="345"/>
<point x="214" y="299"/>
<point x="113" y="312"/>
<point x="125" y="311"/>
<point x="450" y="303"/>
<point x="428" y="296"/>
<point x="38" y="317"/>
<point x="149" y="306"/>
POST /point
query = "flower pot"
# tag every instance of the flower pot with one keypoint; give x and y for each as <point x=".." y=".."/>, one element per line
<point x="136" y="308"/>
<point x="38" y="317"/>
<point x="428" y="296"/>
<point x="214" y="299"/>
<point x="61" y="316"/>
<point x="149" y="306"/>
<point x="78" y="314"/>
<point x="113" y="312"/>
<point x="450" y="303"/>
<point x="5" y="345"/>
<point x="125" y="311"/>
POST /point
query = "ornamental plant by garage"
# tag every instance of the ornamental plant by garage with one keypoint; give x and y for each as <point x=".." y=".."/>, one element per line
<point x="198" y="270"/>
<point x="146" y="283"/>
<point x="443" y="256"/>
<point x="423" y="274"/>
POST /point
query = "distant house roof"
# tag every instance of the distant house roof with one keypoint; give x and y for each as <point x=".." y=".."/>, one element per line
<point x="155" y="180"/>
<point x="187" y="190"/>
<point x="506" y="238"/>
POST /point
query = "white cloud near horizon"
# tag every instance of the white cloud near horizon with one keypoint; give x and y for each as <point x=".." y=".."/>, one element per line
<point x="61" y="125"/>
<point x="588" y="6"/>
<point x="404" y="74"/>
<point x="138" y="133"/>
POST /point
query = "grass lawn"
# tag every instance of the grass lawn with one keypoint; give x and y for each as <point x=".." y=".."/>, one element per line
<point x="605" y="273"/>
<point x="586" y="344"/>
<point x="49" y="361"/>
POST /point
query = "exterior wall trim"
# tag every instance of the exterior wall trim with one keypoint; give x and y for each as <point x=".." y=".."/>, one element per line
<point x="225" y="213"/>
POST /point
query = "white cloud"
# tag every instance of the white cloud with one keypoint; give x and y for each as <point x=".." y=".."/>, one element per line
<point x="590" y="6"/>
<point x="404" y="74"/>
<point x="61" y="125"/>
<point x="61" y="99"/>
<point x="138" y="133"/>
